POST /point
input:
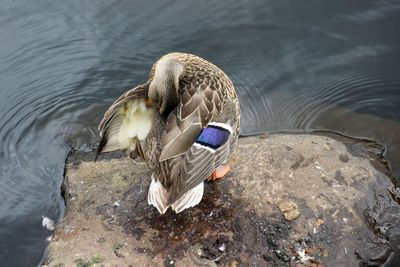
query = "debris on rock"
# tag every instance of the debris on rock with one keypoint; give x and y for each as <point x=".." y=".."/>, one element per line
<point x="289" y="209"/>
<point x="302" y="255"/>
<point x="48" y="223"/>
<point x="344" y="158"/>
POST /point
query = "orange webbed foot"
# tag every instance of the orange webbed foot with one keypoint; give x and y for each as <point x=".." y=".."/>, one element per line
<point x="219" y="172"/>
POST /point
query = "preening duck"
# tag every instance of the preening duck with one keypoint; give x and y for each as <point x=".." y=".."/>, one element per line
<point x="183" y="122"/>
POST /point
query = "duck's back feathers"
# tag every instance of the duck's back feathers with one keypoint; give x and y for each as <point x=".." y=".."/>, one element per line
<point x="200" y="102"/>
<point x="127" y="122"/>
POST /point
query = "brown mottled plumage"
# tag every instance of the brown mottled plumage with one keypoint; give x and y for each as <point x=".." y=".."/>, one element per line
<point x="160" y="120"/>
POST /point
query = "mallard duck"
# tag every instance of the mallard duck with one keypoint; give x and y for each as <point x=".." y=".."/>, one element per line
<point x="183" y="122"/>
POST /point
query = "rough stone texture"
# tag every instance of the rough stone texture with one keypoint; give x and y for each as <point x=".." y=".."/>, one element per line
<point x="346" y="210"/>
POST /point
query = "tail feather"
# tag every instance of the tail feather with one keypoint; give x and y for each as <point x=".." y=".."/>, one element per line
<point x="158" y="196"/>
<point x="190" y="199"/>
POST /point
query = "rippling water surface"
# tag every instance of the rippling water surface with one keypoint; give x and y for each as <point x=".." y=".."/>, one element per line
<point x="332" y="65"/>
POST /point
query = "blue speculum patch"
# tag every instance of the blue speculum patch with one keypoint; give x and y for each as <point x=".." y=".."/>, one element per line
<point x="213" y="136"/>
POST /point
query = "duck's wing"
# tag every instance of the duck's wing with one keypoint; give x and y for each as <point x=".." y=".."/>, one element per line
<point x="127" y="121"/>
<point x="210" y="150"/>
<point x="200" y="102"/>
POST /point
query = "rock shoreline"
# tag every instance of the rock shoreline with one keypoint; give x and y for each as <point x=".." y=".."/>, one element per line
<point x="289" y="200"/>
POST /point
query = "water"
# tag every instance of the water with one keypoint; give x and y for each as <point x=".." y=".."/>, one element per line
<point x="331" y="65"/>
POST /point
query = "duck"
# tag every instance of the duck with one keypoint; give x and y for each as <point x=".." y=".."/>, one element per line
<point x="183" y="122"/>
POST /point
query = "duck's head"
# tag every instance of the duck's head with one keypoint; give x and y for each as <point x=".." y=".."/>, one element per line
<point x="164" y="86"/>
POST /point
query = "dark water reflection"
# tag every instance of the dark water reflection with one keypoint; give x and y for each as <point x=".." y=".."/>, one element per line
<point x="331" y="65"/>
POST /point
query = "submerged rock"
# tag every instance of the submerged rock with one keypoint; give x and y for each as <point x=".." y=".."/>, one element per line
<point x="251" y="217"/>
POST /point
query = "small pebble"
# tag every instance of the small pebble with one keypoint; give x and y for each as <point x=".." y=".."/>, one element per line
<point x="327" y="147"/>
<point x="343" y="158"/>
<point x="101" y="240"/>
<point x="289" y="210"/>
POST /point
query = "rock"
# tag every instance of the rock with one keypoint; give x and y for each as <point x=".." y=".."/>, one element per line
<point x="263" y="136"/>
<point x="347" y="210"/>
<point x="289" y="210"/>
<point x="344" y="158"/>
